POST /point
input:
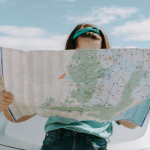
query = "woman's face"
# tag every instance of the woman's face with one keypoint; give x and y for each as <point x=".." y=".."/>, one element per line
<point x="87" y="43"/>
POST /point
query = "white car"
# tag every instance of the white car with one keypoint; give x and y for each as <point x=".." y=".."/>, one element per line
<point x="22" y="135"/>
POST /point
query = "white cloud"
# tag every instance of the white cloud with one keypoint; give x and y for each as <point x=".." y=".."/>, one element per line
<point x="31" y="39"/>
<point x="135" y="30"/>
<point x="22" y="31"/>
<point x="130" y="47"/>
<point x="114" y="47"/>
<point x="104" y="15"/>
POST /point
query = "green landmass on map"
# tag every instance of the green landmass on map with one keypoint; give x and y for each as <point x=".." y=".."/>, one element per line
<point x="84" y="73"/>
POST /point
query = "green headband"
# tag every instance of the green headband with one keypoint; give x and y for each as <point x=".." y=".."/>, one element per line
<point x="86" y="29"/>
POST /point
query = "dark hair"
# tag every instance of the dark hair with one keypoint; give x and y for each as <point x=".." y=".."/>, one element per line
<point x="72" y="44"/>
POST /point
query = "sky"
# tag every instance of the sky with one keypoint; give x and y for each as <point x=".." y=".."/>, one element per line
<point x="46" y="24"/>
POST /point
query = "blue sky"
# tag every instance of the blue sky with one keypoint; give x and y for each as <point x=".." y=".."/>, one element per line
<point x="46" y="24"/>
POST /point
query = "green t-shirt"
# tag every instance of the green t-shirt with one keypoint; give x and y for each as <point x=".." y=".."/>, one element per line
<point x="103" y="129"/>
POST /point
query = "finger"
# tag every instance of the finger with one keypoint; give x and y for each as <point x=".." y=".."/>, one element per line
<point x="6" y="93"/>
<point x="4" y="98"/>
<point x="2" y="107"/>
<point x="5" y="102"/>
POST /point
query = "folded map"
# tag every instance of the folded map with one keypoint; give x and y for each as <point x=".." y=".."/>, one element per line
<point x="84" y="84"/>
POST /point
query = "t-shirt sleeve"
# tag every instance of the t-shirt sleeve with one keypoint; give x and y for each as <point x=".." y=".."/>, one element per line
<point x="117" y="121"/>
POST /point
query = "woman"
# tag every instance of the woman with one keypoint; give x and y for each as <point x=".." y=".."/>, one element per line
<point x="69" y="134"/>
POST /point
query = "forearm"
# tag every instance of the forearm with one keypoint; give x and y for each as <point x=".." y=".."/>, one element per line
<point x="128" y="124"/>
<point x="8" y="117"/>
<point x="25" y="118"/>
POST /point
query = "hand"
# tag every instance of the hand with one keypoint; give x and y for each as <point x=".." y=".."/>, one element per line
<point x="6" y="98"/>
